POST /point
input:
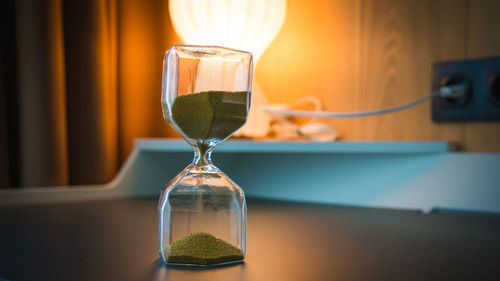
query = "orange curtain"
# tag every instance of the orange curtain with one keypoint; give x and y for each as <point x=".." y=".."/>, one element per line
<point x="80" y="81"/>
<point x="144" y="34"/>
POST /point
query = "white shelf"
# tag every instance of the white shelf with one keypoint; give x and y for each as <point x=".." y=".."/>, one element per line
<point x="407" y="175"/>
<point x="339" y="147"/>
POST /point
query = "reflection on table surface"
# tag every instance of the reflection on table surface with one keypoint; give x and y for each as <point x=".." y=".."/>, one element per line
<point x="117" y="240"/>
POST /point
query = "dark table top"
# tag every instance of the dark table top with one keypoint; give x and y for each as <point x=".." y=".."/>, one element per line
<point x="116" y="240"/>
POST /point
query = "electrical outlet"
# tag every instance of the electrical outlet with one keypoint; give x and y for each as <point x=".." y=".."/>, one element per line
<point x="482" y="101"/>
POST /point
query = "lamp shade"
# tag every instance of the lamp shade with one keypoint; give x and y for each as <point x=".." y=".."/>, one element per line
<point x="249" y="25"/>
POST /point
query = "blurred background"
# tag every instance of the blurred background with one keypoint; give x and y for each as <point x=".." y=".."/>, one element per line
<point x="80" y="80"/>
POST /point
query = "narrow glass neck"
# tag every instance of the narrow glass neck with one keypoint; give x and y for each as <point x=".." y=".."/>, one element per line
<point x="202" y="155"/>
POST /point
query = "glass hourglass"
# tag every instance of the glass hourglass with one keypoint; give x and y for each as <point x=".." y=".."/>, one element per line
<point x="205" y="98"/>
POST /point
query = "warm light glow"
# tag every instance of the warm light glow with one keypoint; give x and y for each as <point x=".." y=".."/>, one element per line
<point x="248" y="25"/>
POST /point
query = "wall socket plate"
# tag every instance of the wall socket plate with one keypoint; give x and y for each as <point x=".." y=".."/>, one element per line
<point x="483" y="100"/>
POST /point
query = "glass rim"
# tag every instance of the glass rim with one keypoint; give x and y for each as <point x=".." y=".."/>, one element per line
<point x="230" y="51"/>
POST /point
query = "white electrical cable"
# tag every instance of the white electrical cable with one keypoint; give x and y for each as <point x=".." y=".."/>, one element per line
<point x="450" y="92"/>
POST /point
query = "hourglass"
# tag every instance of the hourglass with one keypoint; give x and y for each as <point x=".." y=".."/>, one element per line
<point x="205" y="98"/>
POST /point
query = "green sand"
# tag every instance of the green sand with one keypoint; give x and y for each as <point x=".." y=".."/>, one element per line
<point x="210" y="115"/>
<point x="201" y="248"/>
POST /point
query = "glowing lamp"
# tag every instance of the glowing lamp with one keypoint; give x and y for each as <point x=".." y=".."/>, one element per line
<point x="249" y="25"/>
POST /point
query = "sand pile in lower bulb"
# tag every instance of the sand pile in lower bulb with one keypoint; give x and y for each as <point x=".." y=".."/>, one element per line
<point x="201" y="248"/>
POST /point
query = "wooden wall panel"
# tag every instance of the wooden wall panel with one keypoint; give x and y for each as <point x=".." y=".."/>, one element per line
<point x="368" y="54"/>
<point x="315" y="54"/>
<point x="483" y="40"/>
<point x="399" y="42"/>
